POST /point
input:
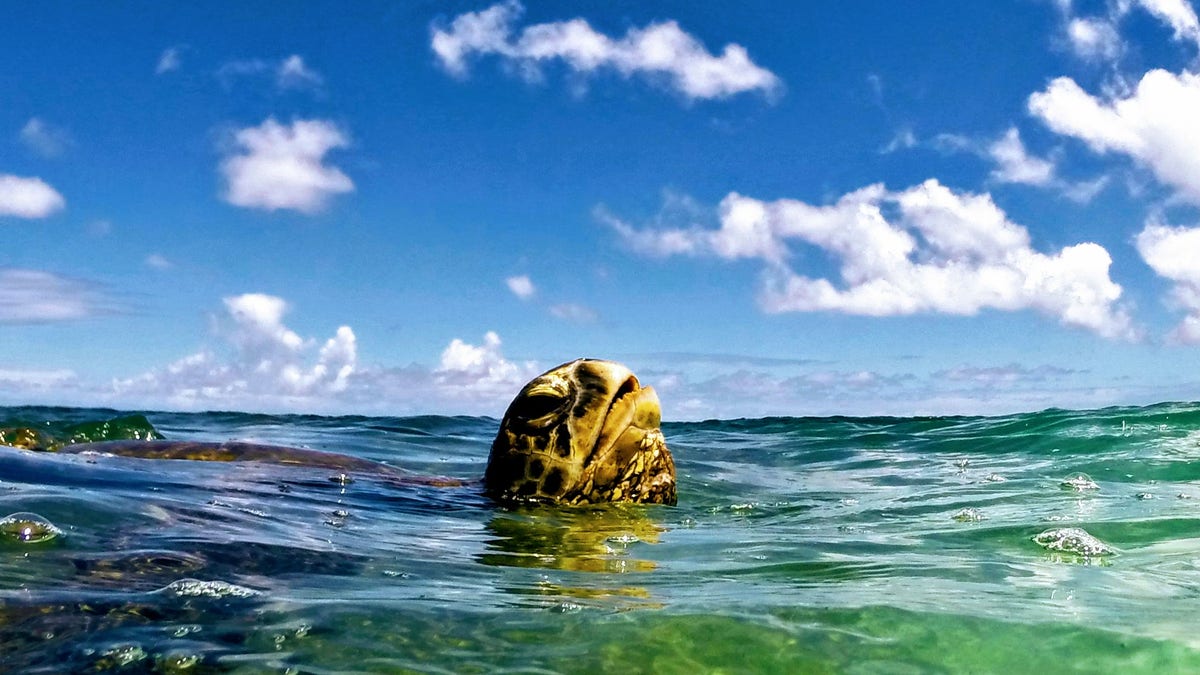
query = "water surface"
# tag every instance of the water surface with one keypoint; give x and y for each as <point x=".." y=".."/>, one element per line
<point x="844" y="545"/>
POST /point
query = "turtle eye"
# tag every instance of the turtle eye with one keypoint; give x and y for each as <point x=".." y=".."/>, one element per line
<point x="536" y="406"/>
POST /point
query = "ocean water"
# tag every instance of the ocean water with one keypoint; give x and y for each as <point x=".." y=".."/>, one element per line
<point x="1060" y="540"/>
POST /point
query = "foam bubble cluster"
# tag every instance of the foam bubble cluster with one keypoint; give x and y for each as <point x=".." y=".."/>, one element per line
<point x="194" y="588"/>
<point x="1073" y="540"/>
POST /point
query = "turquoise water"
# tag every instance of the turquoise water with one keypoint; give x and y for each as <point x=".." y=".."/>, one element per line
<point x="837" y="545"/>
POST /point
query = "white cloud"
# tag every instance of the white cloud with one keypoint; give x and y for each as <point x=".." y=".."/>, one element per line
<point x="33" y="296"/>
<point x="474" y="370"/>
<point x="1094" y="39"/>
<point x="1155" y="125"/>
<point x="293" y="74"/>
<point x="158" y="261"/>
<point x="569" y="311"/>
<point x="44" y="139"/>
<point x="521" y="286"/>
<point x="661" y="51"/>
<point x="258" y="363"/>
<point x="944" y="252"/>
<point x="28" y="197"/>
<point x="1172" y="253"/>
<point x="1085" y="191"/>
<point x="1177" y="14"/>
<point x="902" y="140"/>
<point x="280" y="167"/>
<point x="36" y="379"/>
<point x="993" y="376"/>
<point x="168" y="61"/>
<point x="1015" y="165"/>
<point x="268" y="361"/>
<point x="288" y="73"/>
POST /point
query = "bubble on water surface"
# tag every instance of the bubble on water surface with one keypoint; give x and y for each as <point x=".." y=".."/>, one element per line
<point x="194" y="588"/>
<point x="1080" y="483"/>
<point x="120" y="657"/>
<point x="1073" y="540"/>
<point x="28" y="528"/>
<point x="176" y="662"/>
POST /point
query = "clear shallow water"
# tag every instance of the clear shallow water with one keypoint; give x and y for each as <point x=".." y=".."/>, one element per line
<point x="806" y="545"/>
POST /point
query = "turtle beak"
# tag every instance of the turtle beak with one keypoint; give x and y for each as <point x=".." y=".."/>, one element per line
<point x="647" y="414"/>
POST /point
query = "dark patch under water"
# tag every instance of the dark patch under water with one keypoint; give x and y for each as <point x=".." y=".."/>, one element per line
<point x="1064" y="540"/>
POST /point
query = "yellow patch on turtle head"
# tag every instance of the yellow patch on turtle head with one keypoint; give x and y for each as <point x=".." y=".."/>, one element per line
<point x="582" y="433"/>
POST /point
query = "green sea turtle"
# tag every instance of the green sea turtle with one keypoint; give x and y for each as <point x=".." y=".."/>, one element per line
<point x="585" y="432"/>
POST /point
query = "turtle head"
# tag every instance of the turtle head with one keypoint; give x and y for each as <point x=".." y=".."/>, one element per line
<point x="582" y="433"/>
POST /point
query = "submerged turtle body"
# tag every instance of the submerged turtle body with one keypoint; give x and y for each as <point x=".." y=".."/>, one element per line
<point x="585" y="432"/>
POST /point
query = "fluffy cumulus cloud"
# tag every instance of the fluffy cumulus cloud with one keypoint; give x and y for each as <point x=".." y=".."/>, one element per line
<point x="256" y="362"/>
<point x="263" y="359"/>
<point x="1172" y="253"/>
<point x="1155" y="125"/>
<point x="662" y="51"/>
<point x="34" y="296"/>
<point x="278" y="166"/>
<point x="923" y="250"/>
<point x="467" y="369"/>
<point x="22" y="197"/>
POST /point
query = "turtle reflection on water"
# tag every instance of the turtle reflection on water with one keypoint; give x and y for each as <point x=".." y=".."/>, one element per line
<point x="585" y="432"/>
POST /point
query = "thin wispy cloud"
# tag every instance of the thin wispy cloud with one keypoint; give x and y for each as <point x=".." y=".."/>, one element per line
<point x="168" y="61"/>
<point x="573" y="312"/>
<point x="1014" y="164"/>
<point x="159" y="262"/>
<point x="30" y="380"/>
<point x="34" y="296"/>
<point x="289" y="73"/>
<point x="661" y="52"/>
<point x="276" y="166"/>
<point x="44" y="138"/>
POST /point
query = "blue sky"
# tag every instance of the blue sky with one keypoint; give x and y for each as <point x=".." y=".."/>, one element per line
<point x="827" y="208"/>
